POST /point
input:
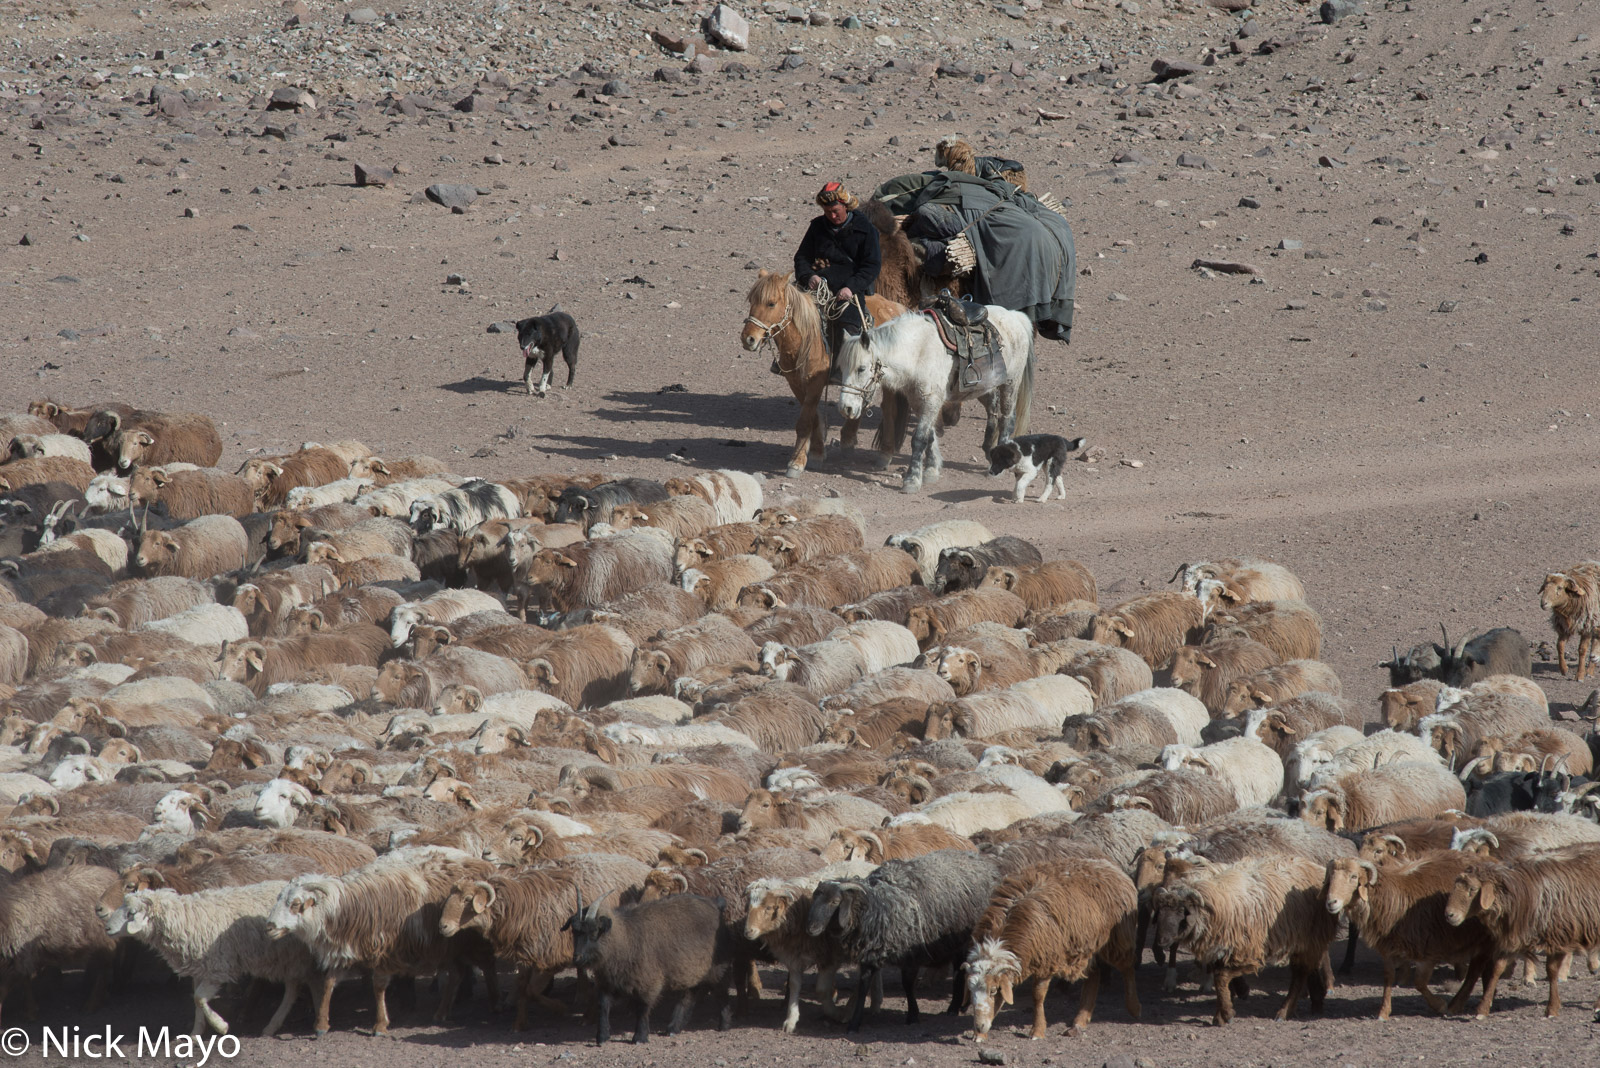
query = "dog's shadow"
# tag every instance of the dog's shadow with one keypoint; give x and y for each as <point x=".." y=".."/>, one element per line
<point x="482" y="384"/>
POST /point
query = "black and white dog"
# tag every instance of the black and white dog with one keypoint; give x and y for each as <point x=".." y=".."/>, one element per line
<point x="1030" y="454"/>
<point x="540" y="338"/>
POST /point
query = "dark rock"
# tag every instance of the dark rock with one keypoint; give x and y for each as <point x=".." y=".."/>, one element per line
<point x="474" y="103"/>
<point x="1332" y="11"/>
<point x="792" y="63"/>
<point x="702" y="64"/>
<point x="669" y="76"/>
<point x="616" y="88"/>
<point x="1249" y="202"/>
<point x="290" y="98"/>
<point x="502" y="327"/>
<point x="373" y="176"/>
<point x="990" y="1055"/>
<point x="1167" y="70"/>
<point x="623" y="139"/>
<point x="1195" y="160"/>
<point x="452" y="195"/>
<point x="1131" y="155"/>
<point x="1330" y="162"/>
<point x="27" y="239"/>
<point x="954" y="68"/>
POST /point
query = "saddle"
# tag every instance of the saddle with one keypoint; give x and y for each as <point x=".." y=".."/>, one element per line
<point x="972" y="341"/>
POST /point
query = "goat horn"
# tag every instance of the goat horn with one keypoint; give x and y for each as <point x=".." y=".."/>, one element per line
<point x="1466" y="771"/>
<point x="1181" y="569"/>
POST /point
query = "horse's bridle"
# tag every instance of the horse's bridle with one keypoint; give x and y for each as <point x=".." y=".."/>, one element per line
<point x="772" y="330"/>
<point x="864" y="392"/>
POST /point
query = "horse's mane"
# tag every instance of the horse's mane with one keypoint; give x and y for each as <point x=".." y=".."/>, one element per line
<point x="801" y="307"/>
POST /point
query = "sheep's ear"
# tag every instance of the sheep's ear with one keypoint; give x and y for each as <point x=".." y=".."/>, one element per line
<point x="255" y="658"/>
<point x="1123" y="629"/>
<point x="1262" y="696"/>
<point x="565" y="561"/>
<point x="160" y="478"/>
<point x="1486" y="896"/>
<point x="1205" y="661"/>
<point x="1005" y="990"/>
<point x="144" y="438"/>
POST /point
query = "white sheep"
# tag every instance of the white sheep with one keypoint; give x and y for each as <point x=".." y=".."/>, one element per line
<point x="1246" y="764"/>
<point x="681" y="737"/>
<point x="302" y="498"/>
<point x="216" y="937"/>
<point x="204" y="624"/>
<point x="278" y="802"/>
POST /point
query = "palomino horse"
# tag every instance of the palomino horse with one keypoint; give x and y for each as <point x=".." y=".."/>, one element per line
<point x="787" y="317"/>
<point x="907" y="357"/>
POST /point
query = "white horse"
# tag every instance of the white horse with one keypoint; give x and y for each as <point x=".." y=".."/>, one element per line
<point x="906" y="355"/>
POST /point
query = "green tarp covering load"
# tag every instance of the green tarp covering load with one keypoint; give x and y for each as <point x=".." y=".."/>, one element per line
<point x="1025" y="259"/>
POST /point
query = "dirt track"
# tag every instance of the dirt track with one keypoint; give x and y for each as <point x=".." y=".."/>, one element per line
<point x="1407" y="428"/>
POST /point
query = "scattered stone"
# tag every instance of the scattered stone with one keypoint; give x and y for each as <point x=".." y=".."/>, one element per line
<point x="1195" y="160"/>
<point x="1296" y="305"/>
<point x="851" y="23"/>
<point x="455" y="280"/>
<point x="990" y="1055"/>
<point x="27" y="239"/>
<point x="727" y="28"/>
<point x="669" y="76"/>
<point x="290" y="98"/>
<point x="361" y="16"/>
<point x="1131" y="463"/>
<point x="190" y="213"/>
<point x="373" y="176"/>
<point x="1330" y="162"/>
<point x="1117" y="298"/>
<point x="452" y="195"/>
<point x="954" y="68"/>
<point x="1448" y="306"/>
<point x="672" y="42"/>
<point x="702" y="64"/>
<point x="1332" y="11"/>
<point x="1249" y="202"/>
<point x="502" y="327"/>
<point x="1226" y="266"/>
<point x="1167" y="70"/>
<point x="494" y="159"/>
<point x="616" y="88"/>
<point x="1131" y="155"/>
<point x="1290" y="244"/>
<point x="819" y="18"/>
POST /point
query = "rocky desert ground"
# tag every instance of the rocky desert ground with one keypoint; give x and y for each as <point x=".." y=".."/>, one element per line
<point x="1397" y="402"/>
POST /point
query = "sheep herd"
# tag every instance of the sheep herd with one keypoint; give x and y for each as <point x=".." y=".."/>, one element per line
<point x="348" y="716"/>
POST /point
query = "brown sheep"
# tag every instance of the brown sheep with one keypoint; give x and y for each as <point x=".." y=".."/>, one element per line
<point x="797" y="543"/>
<point x="1531" y="750"/>
<point x="1572" y="598"/>
<point x="794" y="625"/>
<point x="190" y="494"/>
<point x="975" y="667"/>
<point x="260" y="664"/>
<point x="893" y="606"/>
<point x="1110" y="672"/>
<point x="594" y="572"/>
<point x="586" y="666"/>
<point x="932" y="622"/>
<point x="418" y="683"/>
<point x="1276" y="684"/>
<point x="199" y="549"/>
<point x="894" y="683"/>
<point x="718" y="580"/>
<point x="874" y="726"/>
<point x="726" y="539"/>
<point x="681" y="516"/>
<point x="713" y="640"/>
<point x="38" y="470"/>
<point x="1291" y="629"/>
<point x="288" y="524"/>
<point x="892" y="843"/>
<point x="645" y="613"/>
<point x="540" y="494"/>
<point x="359" y="541"/>
<point x="166" y="438"/>
<point x="779" y="717"/>
<point x="271" y="479"/>
<point x="964" y="568"/>
<point x="387" y="470"/>
<point x="134" y="601"/>
<point x="485" y="551"/>
<point x="1046" y="586"/>
<point x="1184" y="797"/>
<point x="820" y="583"/>
<point x="1154" y="626"/>
<point x="381" y="567"/>
<point x="1404" y="707"/>
<point x="1208" y="670"/>
<point x="1399" y="910"/>
<point x="1072" y="620"/>
<point x="1291" y="722"/>
<point x="266" y="601"/>
<point x="364" y="604"/>
<point x="1237" y="918"/>
<point x="1054" y="921"/>
<point x="953" y="153"/>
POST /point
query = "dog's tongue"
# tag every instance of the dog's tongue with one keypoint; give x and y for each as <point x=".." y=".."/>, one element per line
<point x="527" y="352"/>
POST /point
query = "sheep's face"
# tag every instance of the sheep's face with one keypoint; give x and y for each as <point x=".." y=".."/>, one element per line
<point x="941" y="722"/>
<point x="76" y="771"/>
<point x="276" y="804"/>
<point x="17" y="851"/>
<point x="1469" y="894"/>
<point x="760" y="810"/>
<point x="1189" y="668"/>
<point x="294" y="910"/>
<point x="991" y="971"/>
<point x="769" y="909"/>
<point x="650" y="671"/>
<point x="467" y="908"/>
<point x="1149" y="867"/>
<point x="1559" y="591"/>
<point x="458" y="700"/>
<point x="401" y="621"/>
<point x="692" y="553"/>
<point x="1379" y="848"/>
<point x="135" y="447"/>
<point x="243" y="661"/>
<point x="962" y="669"/>
<point x="1241" y="697"/>
<point x="1402" y="709"/>
<point x="1322" y="810"/>
<point x="1347" y="880"/>
<point x="14" y="728"/>
<point x="157" y="549"/>
<point x="1180" y="918"/>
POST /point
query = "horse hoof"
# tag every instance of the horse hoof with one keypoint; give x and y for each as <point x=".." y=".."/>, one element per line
<point x="934" y="476"/>
<point x="794" y="472"/>
<point x="880" y="462"/>
<point x="910" y="487"/>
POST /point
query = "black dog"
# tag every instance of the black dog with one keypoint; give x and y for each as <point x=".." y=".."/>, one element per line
<point x="1026" y="456"/>
<point x="541" y="337"/>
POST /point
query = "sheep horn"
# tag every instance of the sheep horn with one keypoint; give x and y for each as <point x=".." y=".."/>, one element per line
<point x="1181" y="569"/>
<point x="1466" y="771"/>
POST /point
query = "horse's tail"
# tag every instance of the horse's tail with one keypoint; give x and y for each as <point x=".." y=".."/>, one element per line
<point x="896" y="421"/>
<point x="1024" y="407"/>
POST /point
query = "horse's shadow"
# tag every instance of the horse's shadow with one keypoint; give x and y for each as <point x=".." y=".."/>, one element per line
<point x="682" y="405"/>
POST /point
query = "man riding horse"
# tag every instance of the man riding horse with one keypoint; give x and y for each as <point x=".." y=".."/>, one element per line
<point x="840" y="248"/>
